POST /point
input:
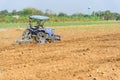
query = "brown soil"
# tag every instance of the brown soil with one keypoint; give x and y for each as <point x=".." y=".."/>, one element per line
<point x="81" y="55"/>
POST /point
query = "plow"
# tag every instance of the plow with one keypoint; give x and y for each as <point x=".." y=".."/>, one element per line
<point x="38" y="33"/>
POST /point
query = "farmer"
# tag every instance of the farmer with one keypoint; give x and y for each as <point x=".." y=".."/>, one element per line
<point x="38" y="25"/>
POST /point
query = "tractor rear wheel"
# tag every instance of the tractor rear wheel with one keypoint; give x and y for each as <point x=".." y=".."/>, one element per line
<point x="41" y="37"/>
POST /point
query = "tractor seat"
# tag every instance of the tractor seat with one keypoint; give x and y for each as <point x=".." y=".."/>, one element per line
<point x="34" y="28"/>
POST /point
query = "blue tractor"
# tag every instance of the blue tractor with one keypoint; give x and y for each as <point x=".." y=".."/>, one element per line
<point x="38" y="33"/>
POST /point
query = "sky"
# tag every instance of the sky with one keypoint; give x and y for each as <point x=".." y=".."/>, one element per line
<point x="66" y="6"/>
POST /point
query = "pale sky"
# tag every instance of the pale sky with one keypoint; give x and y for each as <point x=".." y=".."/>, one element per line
<point x="66" y="6"/>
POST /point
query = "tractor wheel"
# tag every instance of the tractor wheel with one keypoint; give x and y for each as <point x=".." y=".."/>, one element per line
<point x="41" y="37"/>
<point x="52" y="39"/>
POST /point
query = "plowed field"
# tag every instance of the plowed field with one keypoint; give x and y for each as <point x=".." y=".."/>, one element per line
<point x="80" y="55"/>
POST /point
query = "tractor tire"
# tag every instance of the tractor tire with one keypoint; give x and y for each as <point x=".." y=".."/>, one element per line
<point x="41" y="38"/>
<point x="52" y="40"/>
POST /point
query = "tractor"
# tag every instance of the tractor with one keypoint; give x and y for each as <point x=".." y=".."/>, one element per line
<point x="38" y="33"/>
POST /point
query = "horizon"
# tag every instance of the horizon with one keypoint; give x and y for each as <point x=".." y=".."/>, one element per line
<point x="68" y="7"/>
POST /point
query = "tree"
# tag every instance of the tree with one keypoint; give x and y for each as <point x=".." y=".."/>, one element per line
<point x="49" y="12"/>
<point x="4" y="13"/>
<point x="61" y="14"/>
<point x="14" y="12"/>
<point x="30" y="11"/>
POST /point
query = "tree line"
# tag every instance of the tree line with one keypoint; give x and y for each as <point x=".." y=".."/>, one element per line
<point x="22" y="15"/>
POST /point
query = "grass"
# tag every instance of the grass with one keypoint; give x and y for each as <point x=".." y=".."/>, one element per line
<point x="11" y="25"/>
<point x="92" y="27"/>
<point x="95" y="25"/>
<point x="81" y="23"/>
